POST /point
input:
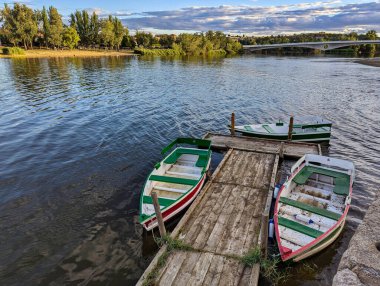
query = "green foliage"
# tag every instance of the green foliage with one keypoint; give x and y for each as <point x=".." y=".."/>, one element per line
<point x="55" y="30"/>
<point x="70" y="38"/>
<point x="268" y="267"/>
<point x="172" y="243"/>
<point x="152" y="276"/>
<point x="13" y="51"/>
<point x="119" y="32"/>
<point x="107" y="35"/>
<point x="158" y="52"/>
<point x="144" y="39"/>
<point x="19" y="24"/>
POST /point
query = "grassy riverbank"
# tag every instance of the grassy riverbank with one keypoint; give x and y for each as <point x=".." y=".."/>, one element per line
<point x="37" y="53"/>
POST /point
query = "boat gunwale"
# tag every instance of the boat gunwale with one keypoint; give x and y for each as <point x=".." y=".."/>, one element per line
<point x="315" y="241"/>
<point x="181" y="197"/>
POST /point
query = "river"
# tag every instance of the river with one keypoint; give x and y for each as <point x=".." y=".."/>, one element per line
<point x="79" y="136"/>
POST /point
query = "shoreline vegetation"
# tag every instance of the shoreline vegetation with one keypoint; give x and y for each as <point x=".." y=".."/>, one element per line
<point x="45" y="53"/>
<point x="90" y="35"/>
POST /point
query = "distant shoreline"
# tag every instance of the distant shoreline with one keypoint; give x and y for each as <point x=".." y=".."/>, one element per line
<point x="37" y="53"/>
<point x="375" y="62"/>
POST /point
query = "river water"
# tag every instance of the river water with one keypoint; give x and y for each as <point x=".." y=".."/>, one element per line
<point x="79" y="136"/>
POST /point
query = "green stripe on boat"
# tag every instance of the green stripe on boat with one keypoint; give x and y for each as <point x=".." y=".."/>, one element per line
<point x="179" y="152"/>
<point x="268" y="128"/>
<point x="248" y="128"/>
<point x="342" y="181"/>
<point x="299" y="227"/>
<point x="162" y="201"/>
<point x="173" y="180"/>
<point x="309" y="208"/>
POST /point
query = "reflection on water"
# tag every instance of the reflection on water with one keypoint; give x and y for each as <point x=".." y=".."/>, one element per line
<point x="79" y="136"/>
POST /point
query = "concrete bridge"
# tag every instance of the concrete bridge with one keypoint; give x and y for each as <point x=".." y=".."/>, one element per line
<point x="324" y="46"/>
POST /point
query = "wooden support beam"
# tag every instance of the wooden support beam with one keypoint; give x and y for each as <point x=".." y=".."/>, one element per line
<point x="233" y="124"/>
<point x="161" y="225"/>
<point x="290" y="128"/>
<point x="281" y="153"/>
<point x="264" y="233"/>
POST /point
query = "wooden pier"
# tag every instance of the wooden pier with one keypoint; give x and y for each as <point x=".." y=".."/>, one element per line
<point x="228" y="218"/>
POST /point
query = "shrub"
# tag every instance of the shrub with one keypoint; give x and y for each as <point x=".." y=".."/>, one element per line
<point x="13" y="51"/>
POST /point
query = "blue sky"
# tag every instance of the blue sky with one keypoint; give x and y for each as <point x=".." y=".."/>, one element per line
<point x="238" y="17"/>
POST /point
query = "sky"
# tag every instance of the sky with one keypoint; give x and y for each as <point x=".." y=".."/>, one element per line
<point x="250" y="17"/>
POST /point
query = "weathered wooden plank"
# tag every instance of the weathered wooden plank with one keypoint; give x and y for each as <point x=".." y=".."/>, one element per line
<point x="291" y="149"/>
<point x="215" y="270"/>
<point x="207" y="225"/>
<point x="185" y="273"/>
<point x="247" y="169"/>
<point x="229" y="212"/>
<point x="233" y="229"/>
<point x="173" y="266"/>
<point x="250" y="276"/>
<point x="200" y="270"/>
<point x="245" y="228"/>
<point x="198" y="200"/>
<point x="232" y="271"/>
<point x="207" y="208"/>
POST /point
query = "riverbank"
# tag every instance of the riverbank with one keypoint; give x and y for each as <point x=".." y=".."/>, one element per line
<point x="375" y="62"/>
<point x="67" y="53"/>
<point x="360" y="263"/>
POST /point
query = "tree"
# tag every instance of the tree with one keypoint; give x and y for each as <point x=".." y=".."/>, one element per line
<point x="20" y="24"/>
<point x="107" y="35"/>
<point x="70" y="38"/>
<point x="370" y="49"/>
<point x="55" y="27"/>
<point x="118" y="31"/>
<point x="94" y="29"/>
<point x="81" y="21"/>
<point x="45" y="25"/>
<point x="144" y="39"/>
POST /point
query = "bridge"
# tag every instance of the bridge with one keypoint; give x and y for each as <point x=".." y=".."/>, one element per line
<point x="324" y="46"/>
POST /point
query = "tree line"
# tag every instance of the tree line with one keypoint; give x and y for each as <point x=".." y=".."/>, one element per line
<point x="28" y="28"/>
<point x="364" y="50"/>
<point x="23" y="26"/>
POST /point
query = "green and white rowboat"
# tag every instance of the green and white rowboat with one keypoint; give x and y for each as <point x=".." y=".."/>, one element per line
<point x="177" y="180"/>
<point x="306" y="128"/>
<point x="312" y="205"/>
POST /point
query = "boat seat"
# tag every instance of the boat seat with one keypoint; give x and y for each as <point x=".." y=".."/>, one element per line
<point x="299" y="227"/>
<point x="309" y="208"/>
<point x="202" y="159"/>
<point x="162" y="201"/>
<point x="268" y="128"/>
<point x="342" y="181"/>
<point x="173" y="180"/>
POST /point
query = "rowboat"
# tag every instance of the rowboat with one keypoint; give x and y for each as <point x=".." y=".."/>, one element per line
<point x="312" y="205"/>
<point x="176" y="180"/>
<point x="306" y="128"/>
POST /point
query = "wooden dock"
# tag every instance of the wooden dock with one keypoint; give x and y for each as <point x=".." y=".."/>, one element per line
<point x="228" y="218"/>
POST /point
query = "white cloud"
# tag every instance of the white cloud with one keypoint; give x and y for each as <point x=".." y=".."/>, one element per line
<point x="313" y="16"/>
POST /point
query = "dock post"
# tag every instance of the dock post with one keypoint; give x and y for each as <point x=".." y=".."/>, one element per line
<point x="290" y="128"/>
<point x="264" y="233"/>
<point x="233" y="124"/>
<point x="281" y="152"/>
<point x="157" y="209"/>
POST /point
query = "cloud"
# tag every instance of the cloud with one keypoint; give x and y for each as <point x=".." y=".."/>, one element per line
<point x="314" y="16"/>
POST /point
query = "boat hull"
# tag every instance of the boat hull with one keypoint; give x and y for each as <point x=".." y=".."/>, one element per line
<point x="177" y="207"/>
<point x="312" y="137"/>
